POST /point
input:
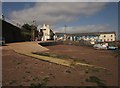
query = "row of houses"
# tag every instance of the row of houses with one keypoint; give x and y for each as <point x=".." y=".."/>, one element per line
<point x="46" y="33"/>
<point x="92" y="37"/>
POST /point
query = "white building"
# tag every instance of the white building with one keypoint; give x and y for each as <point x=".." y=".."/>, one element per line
<point x="107" y="37"/>
<point x="45" y="33"/>
<point x="94" y="37"/>
<point x="101" y="37"/>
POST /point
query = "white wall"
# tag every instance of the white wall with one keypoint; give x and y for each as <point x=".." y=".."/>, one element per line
<point x="107" y="37"/>
<point x="46" y="32"/>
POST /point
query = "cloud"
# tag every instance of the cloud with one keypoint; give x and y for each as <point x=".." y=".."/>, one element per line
<point x="52" y="13"/>
<point x="0" y="9"/>
<point x="77" y="0"/>
<point x="60" y="1"/>
<point x="86" y="28"/>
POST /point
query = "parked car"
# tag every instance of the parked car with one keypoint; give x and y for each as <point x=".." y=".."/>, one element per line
<point x="100" y="46"/>
<point x="2" y="41"/>
<point x="112" y="47"/>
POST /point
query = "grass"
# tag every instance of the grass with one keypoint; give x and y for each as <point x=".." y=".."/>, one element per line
<point x="27" y="71"/>
<point x="46" y="79"/>
<point x="36" y="85"/>
<point x="23" y="77"/>
<point x="35" y="79"/>
<point x="48" y="54"/>
<point x="36" y="63"/>
<point x="20" y="85"/>
<point x="96" y="80"/>
<point x="25" y="67"/>
<point x="54" y="55"/>
<point x="117" y="53"/>
<point x="94" y="69"/>
<point x="12" y="82"/>
<point x="80" y="60"/>
<point x="68" y="71"/>
<point x="18" y="63"/>
<point x="40" y="85"/>
<point x="72" y="64"/>
<point x="76" y="43"/>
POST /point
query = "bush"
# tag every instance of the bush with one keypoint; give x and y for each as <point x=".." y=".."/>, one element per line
<point x="96" y="80"/>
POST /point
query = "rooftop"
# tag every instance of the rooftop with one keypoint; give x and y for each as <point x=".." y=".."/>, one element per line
<point x="89" y="33"/>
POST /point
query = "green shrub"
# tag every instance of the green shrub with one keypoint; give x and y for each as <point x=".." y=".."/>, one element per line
<point x="96" y="80"/>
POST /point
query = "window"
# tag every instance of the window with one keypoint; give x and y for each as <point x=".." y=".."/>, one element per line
<point x="107" y="39"/>
<point x="104" y="35"/>
<point x="111" y="39"/>
<point x="111" y="35"/>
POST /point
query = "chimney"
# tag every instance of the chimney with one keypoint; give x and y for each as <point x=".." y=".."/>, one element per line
<point x="48" y="26"/>
<point x="44" y="26"/>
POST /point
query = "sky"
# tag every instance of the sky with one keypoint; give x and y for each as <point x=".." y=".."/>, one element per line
<point x="60" y="0"/>
<point x="79" y="17"/>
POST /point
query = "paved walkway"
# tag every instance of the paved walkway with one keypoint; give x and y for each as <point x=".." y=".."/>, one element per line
<point x="26" y="48"/>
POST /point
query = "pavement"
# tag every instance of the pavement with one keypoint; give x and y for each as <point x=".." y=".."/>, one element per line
<point x="27" y="48"/>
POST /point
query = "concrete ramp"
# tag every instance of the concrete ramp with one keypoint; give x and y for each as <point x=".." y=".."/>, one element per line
<point x="27" y="47"/>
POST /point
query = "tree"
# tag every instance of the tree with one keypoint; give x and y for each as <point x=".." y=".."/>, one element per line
<point x="26" y="27"/>
<point x="29" y="32"/>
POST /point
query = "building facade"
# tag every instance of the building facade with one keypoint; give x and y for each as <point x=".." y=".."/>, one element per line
<point x="107" y="37"/>
<point x="45" y="33"/>
<point x="93" y="38"/>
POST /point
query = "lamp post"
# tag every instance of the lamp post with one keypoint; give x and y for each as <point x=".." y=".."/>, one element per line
<point x="65" y="28"/>
<point x="33" y="30"/>
<point x="65" y="33"/>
